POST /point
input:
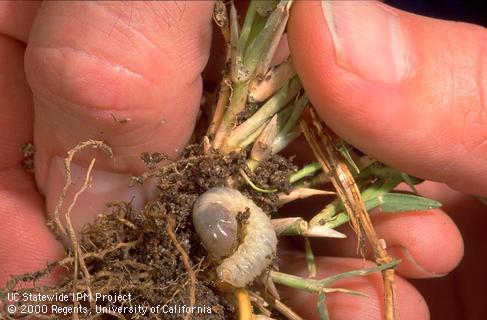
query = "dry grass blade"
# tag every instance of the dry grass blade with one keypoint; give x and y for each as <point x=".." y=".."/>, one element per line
<point x="282" y="308"/>
<point x="259" y="303"/>
<point x="262" y="149"/>
<point x="222" y="102"/>
<point x="261" y="89"/>
<point x="221" y="19"/>
<point x="298" y="226"/>
<point x="322" y="142"/>
<point x="301" y="193"/>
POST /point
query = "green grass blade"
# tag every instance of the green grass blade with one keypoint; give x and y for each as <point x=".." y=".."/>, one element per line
<point x="400" y="202"/>
<point x="267" y="111"/>
<point x="322" y="309"/>
<point x="307" y="171"/>
<point x="389" y="203"/>
<point x="342" y="148"/>
<point x="310" y="258"/>
<point x="356" y="273"/>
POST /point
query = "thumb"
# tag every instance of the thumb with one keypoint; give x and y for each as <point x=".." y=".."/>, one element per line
<point x="125" y="73"/>
<point x="407" y="89"/>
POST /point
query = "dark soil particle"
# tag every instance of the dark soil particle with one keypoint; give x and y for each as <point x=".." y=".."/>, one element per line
<point x="129" y="251"/>
<point x="28" y="151"/>
<point x="246" y="113"/>
<point x="243" y="217"/>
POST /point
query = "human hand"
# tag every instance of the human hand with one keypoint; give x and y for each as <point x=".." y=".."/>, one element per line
<point x="88" y="65"/>
<point x="409" y="91"/>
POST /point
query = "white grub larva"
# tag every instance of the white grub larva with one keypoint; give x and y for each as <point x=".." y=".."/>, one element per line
<point x="214" y="218"/>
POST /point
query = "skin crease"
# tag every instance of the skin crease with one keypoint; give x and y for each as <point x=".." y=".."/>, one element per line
<point x="125" y="61"/>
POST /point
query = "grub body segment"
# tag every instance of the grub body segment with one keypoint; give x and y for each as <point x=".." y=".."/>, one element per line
<point x="258" y="241"/>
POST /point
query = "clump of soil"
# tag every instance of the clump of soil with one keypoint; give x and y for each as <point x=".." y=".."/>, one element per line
<point x="153" y="253"/>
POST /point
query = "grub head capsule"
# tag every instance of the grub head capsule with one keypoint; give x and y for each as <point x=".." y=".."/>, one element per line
<point x="216" y="226"/>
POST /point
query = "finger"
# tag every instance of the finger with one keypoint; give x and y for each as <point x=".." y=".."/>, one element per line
<point x="406" y="89"/>
<point x="415" y="238"/>
<point x="15" y="103"/>
<point x="16" y="18"/>
<point x="26" y="244"/>
<point x="454" y="203"/>
<point x="465" y="281"/>
<point x="125" y="73"/>
<point x="410" y="304"/>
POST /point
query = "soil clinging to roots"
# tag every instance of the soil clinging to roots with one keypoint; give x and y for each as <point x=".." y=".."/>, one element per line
<point x="154" y="254"/>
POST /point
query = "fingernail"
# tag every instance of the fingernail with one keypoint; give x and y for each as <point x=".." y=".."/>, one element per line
<point x="415" y="269"/>
<point x="105" y="187"/>
<point x="368" y="39"/>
